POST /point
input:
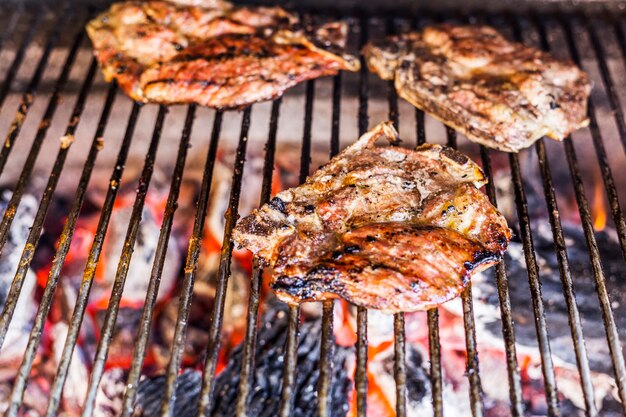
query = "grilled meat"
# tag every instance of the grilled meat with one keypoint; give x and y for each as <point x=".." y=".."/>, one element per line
<point x="383" y="227"/>
<point x="212" y="54"/>
<point x="498" y="93"/>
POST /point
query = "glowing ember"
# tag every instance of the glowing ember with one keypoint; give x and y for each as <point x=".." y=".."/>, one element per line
<point x="598" y="208"/>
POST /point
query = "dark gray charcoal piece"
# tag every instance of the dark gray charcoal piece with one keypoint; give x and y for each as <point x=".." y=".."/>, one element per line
<point x="265" y="394"/>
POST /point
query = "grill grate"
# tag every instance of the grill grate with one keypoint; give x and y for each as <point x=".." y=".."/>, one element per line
<point x="523" y="28"/>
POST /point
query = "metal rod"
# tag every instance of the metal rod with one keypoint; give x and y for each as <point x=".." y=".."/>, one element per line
<point x="191" y="265"/>
<point x="28" y="97"/>
<point x="613" y="339"/>
<point x="290" y="357"/>
<point x="106" y="332"/>
<point x="508" y="331"/>
<point x="566" y="281"/>
<point x="19" y="57"/>
<point x="249" y="346"/>
<point x="143" y="331"/>
<point x="434" y="352"/>
<point x="472" y="371"/>
<point x="598" y="271"/>
<point x="327" y="350"/>
<point x="70" y="224"/>
<point x="399" y="365"/>
<point x="607" y="80"/>
<point x="327" y="347"/>
<point x="29" y="164"/>
<point x="434" y="343"/>
<point x="291" y="344"/>
<point x="224" y="272"/>
<point x="32" y="240"/>
<point x="543" y="339"/>
<point x="35" y="231"/>
<point x="360" y="377"/>
<point x="419" y="127"/>
<point x="564" y="267"/>
<point x="598" y="141"/>
<point x="547" y="366"/>
<point x="92" y="263"/>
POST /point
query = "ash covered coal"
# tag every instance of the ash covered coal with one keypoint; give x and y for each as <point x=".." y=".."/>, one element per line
<point x="26" y="307"/>
<point x="555" y="304"/>
<point x="267" y="378"/>
<point x="488" y="317"/>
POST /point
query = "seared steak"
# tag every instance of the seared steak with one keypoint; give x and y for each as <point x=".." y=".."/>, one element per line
<point x="383" y="227"/>
<point x="212" y="54"/>
<point x="498" y="93"/>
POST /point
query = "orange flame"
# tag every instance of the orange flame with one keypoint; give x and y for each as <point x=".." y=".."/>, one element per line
<point x="598" y="208"/>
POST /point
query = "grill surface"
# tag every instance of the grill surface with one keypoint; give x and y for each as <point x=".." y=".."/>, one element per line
<point x="33" y="115"/>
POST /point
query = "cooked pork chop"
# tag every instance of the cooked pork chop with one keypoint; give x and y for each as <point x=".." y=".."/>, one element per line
<point x="212" y="53"/>
<point x="498" y="93"/>
<point x="381" y="226"/>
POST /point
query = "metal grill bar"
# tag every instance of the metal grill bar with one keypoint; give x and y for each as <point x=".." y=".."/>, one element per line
<point x="616" y="108"/>
<point x="143" y="330"/>
<point x="29" y="165"/>
<point x="585" y="215"/>
<point x="327" y="348"/>
<point x="291" y="344"/>
<point x="561" y="253"/>
<point x="29" y="251"/>
<point x="215" y="329"/>
<point x="28" y="97"/>
<point x="399" y="365"/>
<point x="92" y="263"/>
<point x="360" y="377"/>
<point x="249" y="350"/>
<point x="476" y="390"/>
<point x="596" y="263"/>
<point x="79" y="197"/>
<point x="291" y="356"/>
<point x="19" y="56"/>
<point x="547" y="365"/>
<point x="566" y="280"/>
<point x="508" y="331"/>
<point x="473" y="374"/>
<point x="434" y="344"/>
<point x="46" y="199"/>
<point x="607" y="80"/>
<point x="191" y="265"/>
<point x="106" y="332"/>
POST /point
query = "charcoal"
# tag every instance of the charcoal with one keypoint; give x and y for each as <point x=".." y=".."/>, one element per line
<point x="417" y="378"/>
<point x="555" y="304"/>
<point x="266" y="387"/>
<point x="26" y="308"/>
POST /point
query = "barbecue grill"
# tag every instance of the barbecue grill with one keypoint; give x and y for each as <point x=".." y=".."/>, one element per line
<point x="51" y="88"/>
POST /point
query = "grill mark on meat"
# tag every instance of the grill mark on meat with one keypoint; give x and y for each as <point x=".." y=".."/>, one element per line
<point x="498" y="93"/>
<point x="219" y="56"/>
<point x="383" y="227"/>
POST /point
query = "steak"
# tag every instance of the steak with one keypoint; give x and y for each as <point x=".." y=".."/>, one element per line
<point x="213" y="54"/>
<point x="498" y="93"/>
<point x="381" y="226"/>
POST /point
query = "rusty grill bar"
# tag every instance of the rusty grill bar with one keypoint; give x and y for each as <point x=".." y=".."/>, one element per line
<point x="522" y="27"/>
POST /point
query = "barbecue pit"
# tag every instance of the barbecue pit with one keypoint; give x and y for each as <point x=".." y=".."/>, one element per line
<point x="115" y="157"/>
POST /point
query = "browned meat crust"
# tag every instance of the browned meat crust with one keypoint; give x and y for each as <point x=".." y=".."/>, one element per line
<point x="498" y="93"/>
<point x="212" y="54"/>
<point x="383" y="227"/>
